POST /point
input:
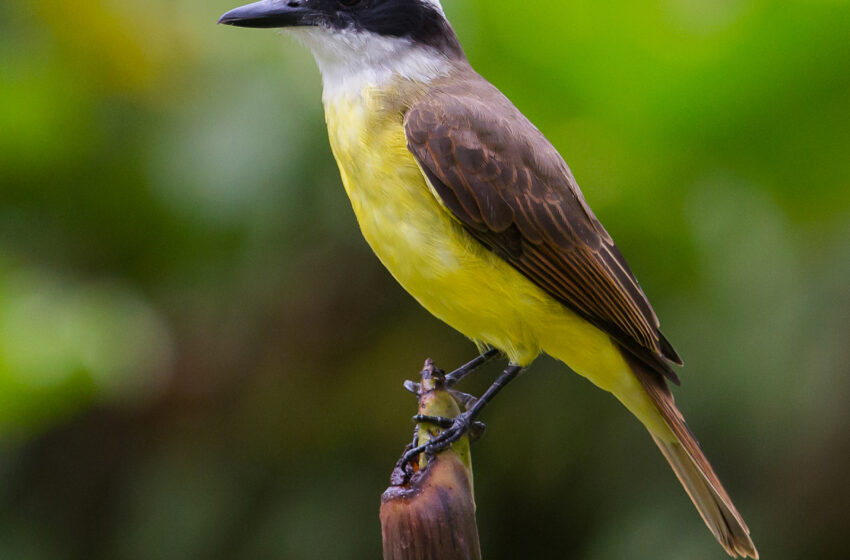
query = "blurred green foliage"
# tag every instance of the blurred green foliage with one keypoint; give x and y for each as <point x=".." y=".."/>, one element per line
<point x="199" y="358"/>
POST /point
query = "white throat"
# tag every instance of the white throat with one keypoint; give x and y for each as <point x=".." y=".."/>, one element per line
<point x="353" y="60"/>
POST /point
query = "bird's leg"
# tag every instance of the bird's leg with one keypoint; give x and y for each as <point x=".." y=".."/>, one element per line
<point x="466" y="369"/>
<point x="465" y="399"/>
<point x="476" y="428"/>
<point x="456" y="427"/>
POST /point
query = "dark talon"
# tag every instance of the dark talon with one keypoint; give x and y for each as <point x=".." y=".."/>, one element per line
<point x="403" y="470"/>
<point x="410" y="455"/>
<point x="476" y="431"/>
<point x="463" y="423"/>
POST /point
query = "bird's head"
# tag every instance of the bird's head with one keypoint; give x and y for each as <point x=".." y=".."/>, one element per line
<point x="355" y="32"/>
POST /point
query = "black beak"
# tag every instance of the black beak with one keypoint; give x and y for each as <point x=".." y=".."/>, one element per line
<point x="271" y="13"/>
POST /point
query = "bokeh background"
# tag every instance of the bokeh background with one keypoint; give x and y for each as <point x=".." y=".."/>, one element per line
<point x="200" y="357"/>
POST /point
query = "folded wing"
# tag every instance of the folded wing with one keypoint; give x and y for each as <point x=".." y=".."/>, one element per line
<point x="512" y="191"/>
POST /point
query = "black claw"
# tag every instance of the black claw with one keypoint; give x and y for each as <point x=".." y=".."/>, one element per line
<point x="403" y="469"/>
<point x="476" y="431"/>
<point x="410" y="455"/>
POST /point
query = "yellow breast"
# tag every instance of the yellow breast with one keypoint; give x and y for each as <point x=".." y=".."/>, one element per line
<point x="412" y="234"/>
<point x="428" y="251"/>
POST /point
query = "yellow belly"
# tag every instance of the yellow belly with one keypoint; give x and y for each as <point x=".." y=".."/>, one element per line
<point x="449" y="272"/>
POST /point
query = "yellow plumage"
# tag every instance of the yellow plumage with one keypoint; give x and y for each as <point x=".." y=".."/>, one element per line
<point x="450" y="273"/>
<point x="391" y="66"/>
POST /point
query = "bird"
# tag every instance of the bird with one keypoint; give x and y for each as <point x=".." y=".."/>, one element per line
<point x="477" y="215"/>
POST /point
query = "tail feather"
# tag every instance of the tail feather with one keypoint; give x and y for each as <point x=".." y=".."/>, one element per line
<point x="695" y="473"/>
<point x="719" y="514"/>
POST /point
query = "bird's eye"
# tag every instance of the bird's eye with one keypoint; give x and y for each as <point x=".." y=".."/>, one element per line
<point x="349" y="3"/>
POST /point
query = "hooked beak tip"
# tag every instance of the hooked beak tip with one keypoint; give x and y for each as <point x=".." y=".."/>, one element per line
<point x="226" y="19"/>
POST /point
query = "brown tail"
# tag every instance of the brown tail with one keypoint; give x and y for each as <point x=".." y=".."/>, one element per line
<point x="695" y="473"/>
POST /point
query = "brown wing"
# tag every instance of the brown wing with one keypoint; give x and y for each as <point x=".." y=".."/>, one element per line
<point x="514" y="193"/>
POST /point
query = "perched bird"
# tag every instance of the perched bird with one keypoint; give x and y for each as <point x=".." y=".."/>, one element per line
<point x="477" y="215"/>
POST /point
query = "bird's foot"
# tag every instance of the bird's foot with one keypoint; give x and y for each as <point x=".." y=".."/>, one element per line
<point x="453" y="430"/>
<point x="476" y="428"/>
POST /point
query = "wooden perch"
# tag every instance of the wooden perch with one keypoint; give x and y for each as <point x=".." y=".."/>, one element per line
<point x="429" y="511"/>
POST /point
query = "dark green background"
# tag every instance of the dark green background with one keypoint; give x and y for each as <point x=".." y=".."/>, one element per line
<point x="200" y="357"/>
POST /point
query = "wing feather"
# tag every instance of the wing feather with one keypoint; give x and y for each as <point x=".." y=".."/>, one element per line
<point x="515" y="194"/>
